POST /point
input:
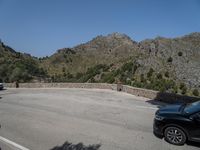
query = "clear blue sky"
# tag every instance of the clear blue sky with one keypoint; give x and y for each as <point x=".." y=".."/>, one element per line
<point x="40" y="27"/>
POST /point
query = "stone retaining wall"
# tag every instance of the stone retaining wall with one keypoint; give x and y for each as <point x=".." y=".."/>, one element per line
<point x="140" y="92"/>
<point x="154" y="95"/>
<point x="64" y="85"/>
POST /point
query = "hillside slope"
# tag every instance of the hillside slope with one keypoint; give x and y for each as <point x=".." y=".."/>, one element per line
<point x="111" y="49"/>
<point x="165" y="64"/>
<point x="162" y="64"/>
<point x="180" y="57"/>
<point x="15" y="66"/>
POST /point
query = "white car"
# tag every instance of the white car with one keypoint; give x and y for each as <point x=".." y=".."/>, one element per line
<point x="1" y="86"/>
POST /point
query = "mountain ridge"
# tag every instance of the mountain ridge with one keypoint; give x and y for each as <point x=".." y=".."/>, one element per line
<point x="166" y="64"/>
<point x="114" y="34"/>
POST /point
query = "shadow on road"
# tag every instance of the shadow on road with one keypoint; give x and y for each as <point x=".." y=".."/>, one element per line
<point x="173" y="98"/>
<point x="195" y="144"/>
<point x="165" y="98"/>
<point x="79" y="146"/>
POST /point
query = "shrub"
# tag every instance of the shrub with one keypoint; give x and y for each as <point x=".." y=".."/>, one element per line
<point x="18" y="55"/>
<point x="63" y="69"/>
<point x="91" y="72"/>
<point x="168" y="84"/>
<point x="105" y="68"/>
<point x="184" y="90"/>
<point x="79" y="75"/>
<point x="142" y="79"/>
<point x="92" y="80"/>
<point x="159" y="76"/>
<point x="123" y="78"/>
<point x="108" y="78"/>
<point x="162" y="89"/>
<point x="70" y="60"/>
<point x="180" y="53"/>
<point x="195" y="92"/>
<point x="19" y="74"/>
<point x="69" y="75"/>
<point x="175" y="89"/>
<point x="135" y="67"/>
<point x="137" y="84"/>
<point x="128" y="82"/>
<point x="64" y="74"/>
<point x="170" y="59"/>
<point x="167" y="74"/>
<point x="150" y="73"/>
<point x="182" y="85"/>
<point x="127" y="67"/>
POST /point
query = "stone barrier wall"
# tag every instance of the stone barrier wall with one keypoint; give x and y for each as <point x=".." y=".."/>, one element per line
<point x="153" y="95"/>
<point x="63" y="85"/>
<point x="140" y="92"/>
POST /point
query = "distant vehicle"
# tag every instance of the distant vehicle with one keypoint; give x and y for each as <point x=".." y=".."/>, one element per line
<point x="1" y="85"/>
<point x="178" y="123"/>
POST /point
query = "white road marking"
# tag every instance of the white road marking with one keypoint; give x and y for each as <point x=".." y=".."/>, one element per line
<point x="145" y="107"/>
<point x="13" y="144"/>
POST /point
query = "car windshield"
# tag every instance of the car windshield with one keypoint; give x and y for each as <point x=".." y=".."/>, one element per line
<point x="192" y="107"/>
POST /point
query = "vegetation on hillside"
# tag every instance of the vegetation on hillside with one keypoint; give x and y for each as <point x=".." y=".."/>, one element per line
<point x="15" y="66"/>
<point x="126" y="74"/>
<point x="166" y="65"/>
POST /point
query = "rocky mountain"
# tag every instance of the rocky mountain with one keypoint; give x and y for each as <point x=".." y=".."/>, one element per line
<point x="179" y="56"/>
<point x="112" y="49"/>
<point x="165" y="64"/>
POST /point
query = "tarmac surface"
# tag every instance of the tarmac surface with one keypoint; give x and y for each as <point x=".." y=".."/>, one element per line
<point x="41" y="119"/>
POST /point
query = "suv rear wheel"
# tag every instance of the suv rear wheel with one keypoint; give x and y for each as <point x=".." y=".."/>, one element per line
<point x="175" y="136"/>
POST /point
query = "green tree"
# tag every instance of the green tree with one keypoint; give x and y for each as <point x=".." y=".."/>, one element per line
<point x="127" y="67"/>
<point x="180" y="53"/>
<point x="78" y="75"/>
<point x="63" y="69"/>
<point x="167" y="74"/>
<point x="184" y="90"/>
<point x="182" y="85"/>
<point x="195" y="92"/>
<point x="159" y="76"/>
<point x="150" y="73"/>
<point x="69" y="75"/>
<point x="175" y="89"/>
<point x="19" y="74"/>
<point x="92" y="80"/>
<point x="170" y="59"/>
<point x="142" y="78"/>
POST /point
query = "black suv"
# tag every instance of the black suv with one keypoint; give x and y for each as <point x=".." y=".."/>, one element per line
<point x="178" y="123"/>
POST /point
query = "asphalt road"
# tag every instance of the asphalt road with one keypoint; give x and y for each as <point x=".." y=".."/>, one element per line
<point x="5" y="146"/>
<point x="40" y="119"/>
